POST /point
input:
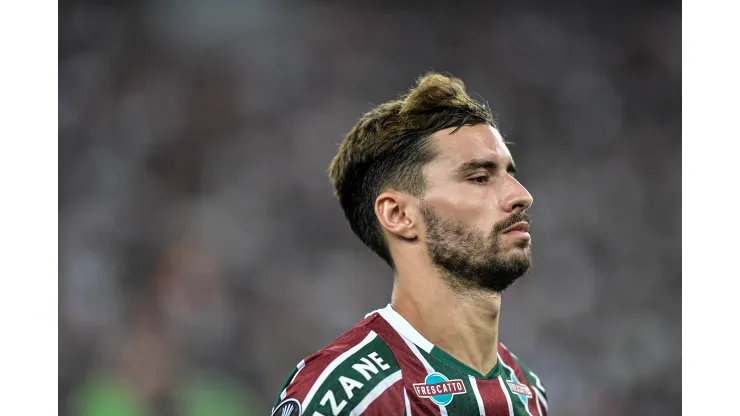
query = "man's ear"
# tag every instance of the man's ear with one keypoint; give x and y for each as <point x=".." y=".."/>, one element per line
<point x="396" y="213"/>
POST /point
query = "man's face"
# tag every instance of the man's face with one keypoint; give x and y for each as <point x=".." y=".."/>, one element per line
<point x="474" y="210"/>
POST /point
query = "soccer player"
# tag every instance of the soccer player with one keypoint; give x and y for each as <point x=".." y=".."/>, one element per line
<point x="427" y="183"/>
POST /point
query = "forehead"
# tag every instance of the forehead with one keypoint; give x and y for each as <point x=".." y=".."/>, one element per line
<point x="481" y="141"/>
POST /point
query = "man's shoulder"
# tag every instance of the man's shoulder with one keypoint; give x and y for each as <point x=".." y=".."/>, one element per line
<point x="516" y="366"/>
<point x="343" y="349"/>
<point x="355" y="371"/>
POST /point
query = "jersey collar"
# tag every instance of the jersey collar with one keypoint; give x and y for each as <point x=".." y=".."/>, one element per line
<point x="404" y="328"/>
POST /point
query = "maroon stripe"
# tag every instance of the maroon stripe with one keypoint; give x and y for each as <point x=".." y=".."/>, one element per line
<point x="494" y="399"/>
<point x="412" y="369"/>
<point x="388" y="403"/>
<point x="316" y="363"/>
<point x="536" y="394"/>
<point x="511" y="362"/>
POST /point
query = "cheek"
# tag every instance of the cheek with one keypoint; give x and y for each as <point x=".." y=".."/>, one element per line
<point x="472" y="208"/>
<point x="456" y="204"/>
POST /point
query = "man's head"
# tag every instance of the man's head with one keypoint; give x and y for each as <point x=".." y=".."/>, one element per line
<point x="431" y="168"/>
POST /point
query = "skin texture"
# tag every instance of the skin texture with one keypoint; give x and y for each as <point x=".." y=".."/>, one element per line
<point x="452" y="256"/>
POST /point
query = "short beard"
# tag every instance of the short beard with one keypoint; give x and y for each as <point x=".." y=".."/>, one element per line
<point x="472" y="262"/>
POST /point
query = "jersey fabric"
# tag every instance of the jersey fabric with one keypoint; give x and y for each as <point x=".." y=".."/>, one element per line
<point x="383" y="366"/>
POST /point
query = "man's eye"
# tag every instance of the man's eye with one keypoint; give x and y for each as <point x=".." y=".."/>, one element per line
<point x="479" y="179"/>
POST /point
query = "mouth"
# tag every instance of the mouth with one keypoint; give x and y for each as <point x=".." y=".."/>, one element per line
<point x="521" y="226"/>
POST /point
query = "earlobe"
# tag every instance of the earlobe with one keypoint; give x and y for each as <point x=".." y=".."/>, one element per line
<point x="390" y="208"/>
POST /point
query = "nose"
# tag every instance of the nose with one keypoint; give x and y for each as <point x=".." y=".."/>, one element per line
<point x="519" y="198"/>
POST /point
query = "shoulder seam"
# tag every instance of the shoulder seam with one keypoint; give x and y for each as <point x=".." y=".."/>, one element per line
<point x="333" y="365"/>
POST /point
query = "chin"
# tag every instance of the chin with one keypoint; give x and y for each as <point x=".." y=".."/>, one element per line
<point x="518" y="250"/>
<point x="521" y="257"/>
<point x="523" y="244"/>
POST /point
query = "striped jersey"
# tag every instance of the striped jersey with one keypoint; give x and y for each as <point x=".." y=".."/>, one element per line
<point x="383" y="366"/>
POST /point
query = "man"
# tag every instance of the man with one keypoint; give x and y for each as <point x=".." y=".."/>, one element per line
<point x="427" y="183"/>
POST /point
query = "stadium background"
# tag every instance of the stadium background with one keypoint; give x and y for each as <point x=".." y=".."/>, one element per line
<point x="202" y="254"/>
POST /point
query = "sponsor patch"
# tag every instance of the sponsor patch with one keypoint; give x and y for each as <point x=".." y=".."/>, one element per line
<point x="439" y="389"/>
<point x="289" y="407"/>
<point x="521" y="390"/>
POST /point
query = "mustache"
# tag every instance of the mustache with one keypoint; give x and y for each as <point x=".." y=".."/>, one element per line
<point x="508" y="222"/>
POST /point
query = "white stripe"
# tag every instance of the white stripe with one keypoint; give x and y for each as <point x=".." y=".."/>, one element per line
<point x="406" y="401"/>
<point x="506" y="393"/>
<point x="477" y="396"/>
<point x="334" y="364"/>
<point x="539" y="408"/>
<point x="375" y="393"/>
<point x="501" y="360"/>
<point x="403" y="327"/>
<point x="537" y="381"/>
<point x="541" y="399"/>
<point x="299" y="367"/>
<point x="429" y="368"/>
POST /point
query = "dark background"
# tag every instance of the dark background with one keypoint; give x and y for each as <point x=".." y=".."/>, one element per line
<point x="198" y="232"/>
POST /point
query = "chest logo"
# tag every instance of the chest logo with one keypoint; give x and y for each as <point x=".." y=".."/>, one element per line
<point x="290" y="407"/>
<point x="521" y="390"/>
<point x="439" y="389"/>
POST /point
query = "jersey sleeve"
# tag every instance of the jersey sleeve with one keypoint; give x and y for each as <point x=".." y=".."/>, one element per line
<point x="357" y="374"/>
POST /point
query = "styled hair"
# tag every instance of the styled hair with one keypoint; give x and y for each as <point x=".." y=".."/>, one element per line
<point x="389" y="147"/>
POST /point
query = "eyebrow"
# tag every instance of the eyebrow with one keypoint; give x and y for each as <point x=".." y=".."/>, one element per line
<point x="474" y="164"/>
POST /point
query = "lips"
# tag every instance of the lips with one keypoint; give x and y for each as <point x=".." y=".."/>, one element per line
<point x="522" y="226"/>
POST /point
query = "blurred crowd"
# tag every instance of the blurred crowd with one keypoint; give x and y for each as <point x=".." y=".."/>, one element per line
<point x="202" y="254"/>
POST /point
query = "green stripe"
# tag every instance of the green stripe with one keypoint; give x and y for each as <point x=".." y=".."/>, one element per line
<point x="462" y="404"/>
<point x="359" y="385"/>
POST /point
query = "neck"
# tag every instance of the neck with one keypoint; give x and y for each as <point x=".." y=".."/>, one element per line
<point x="462" y="324"/>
